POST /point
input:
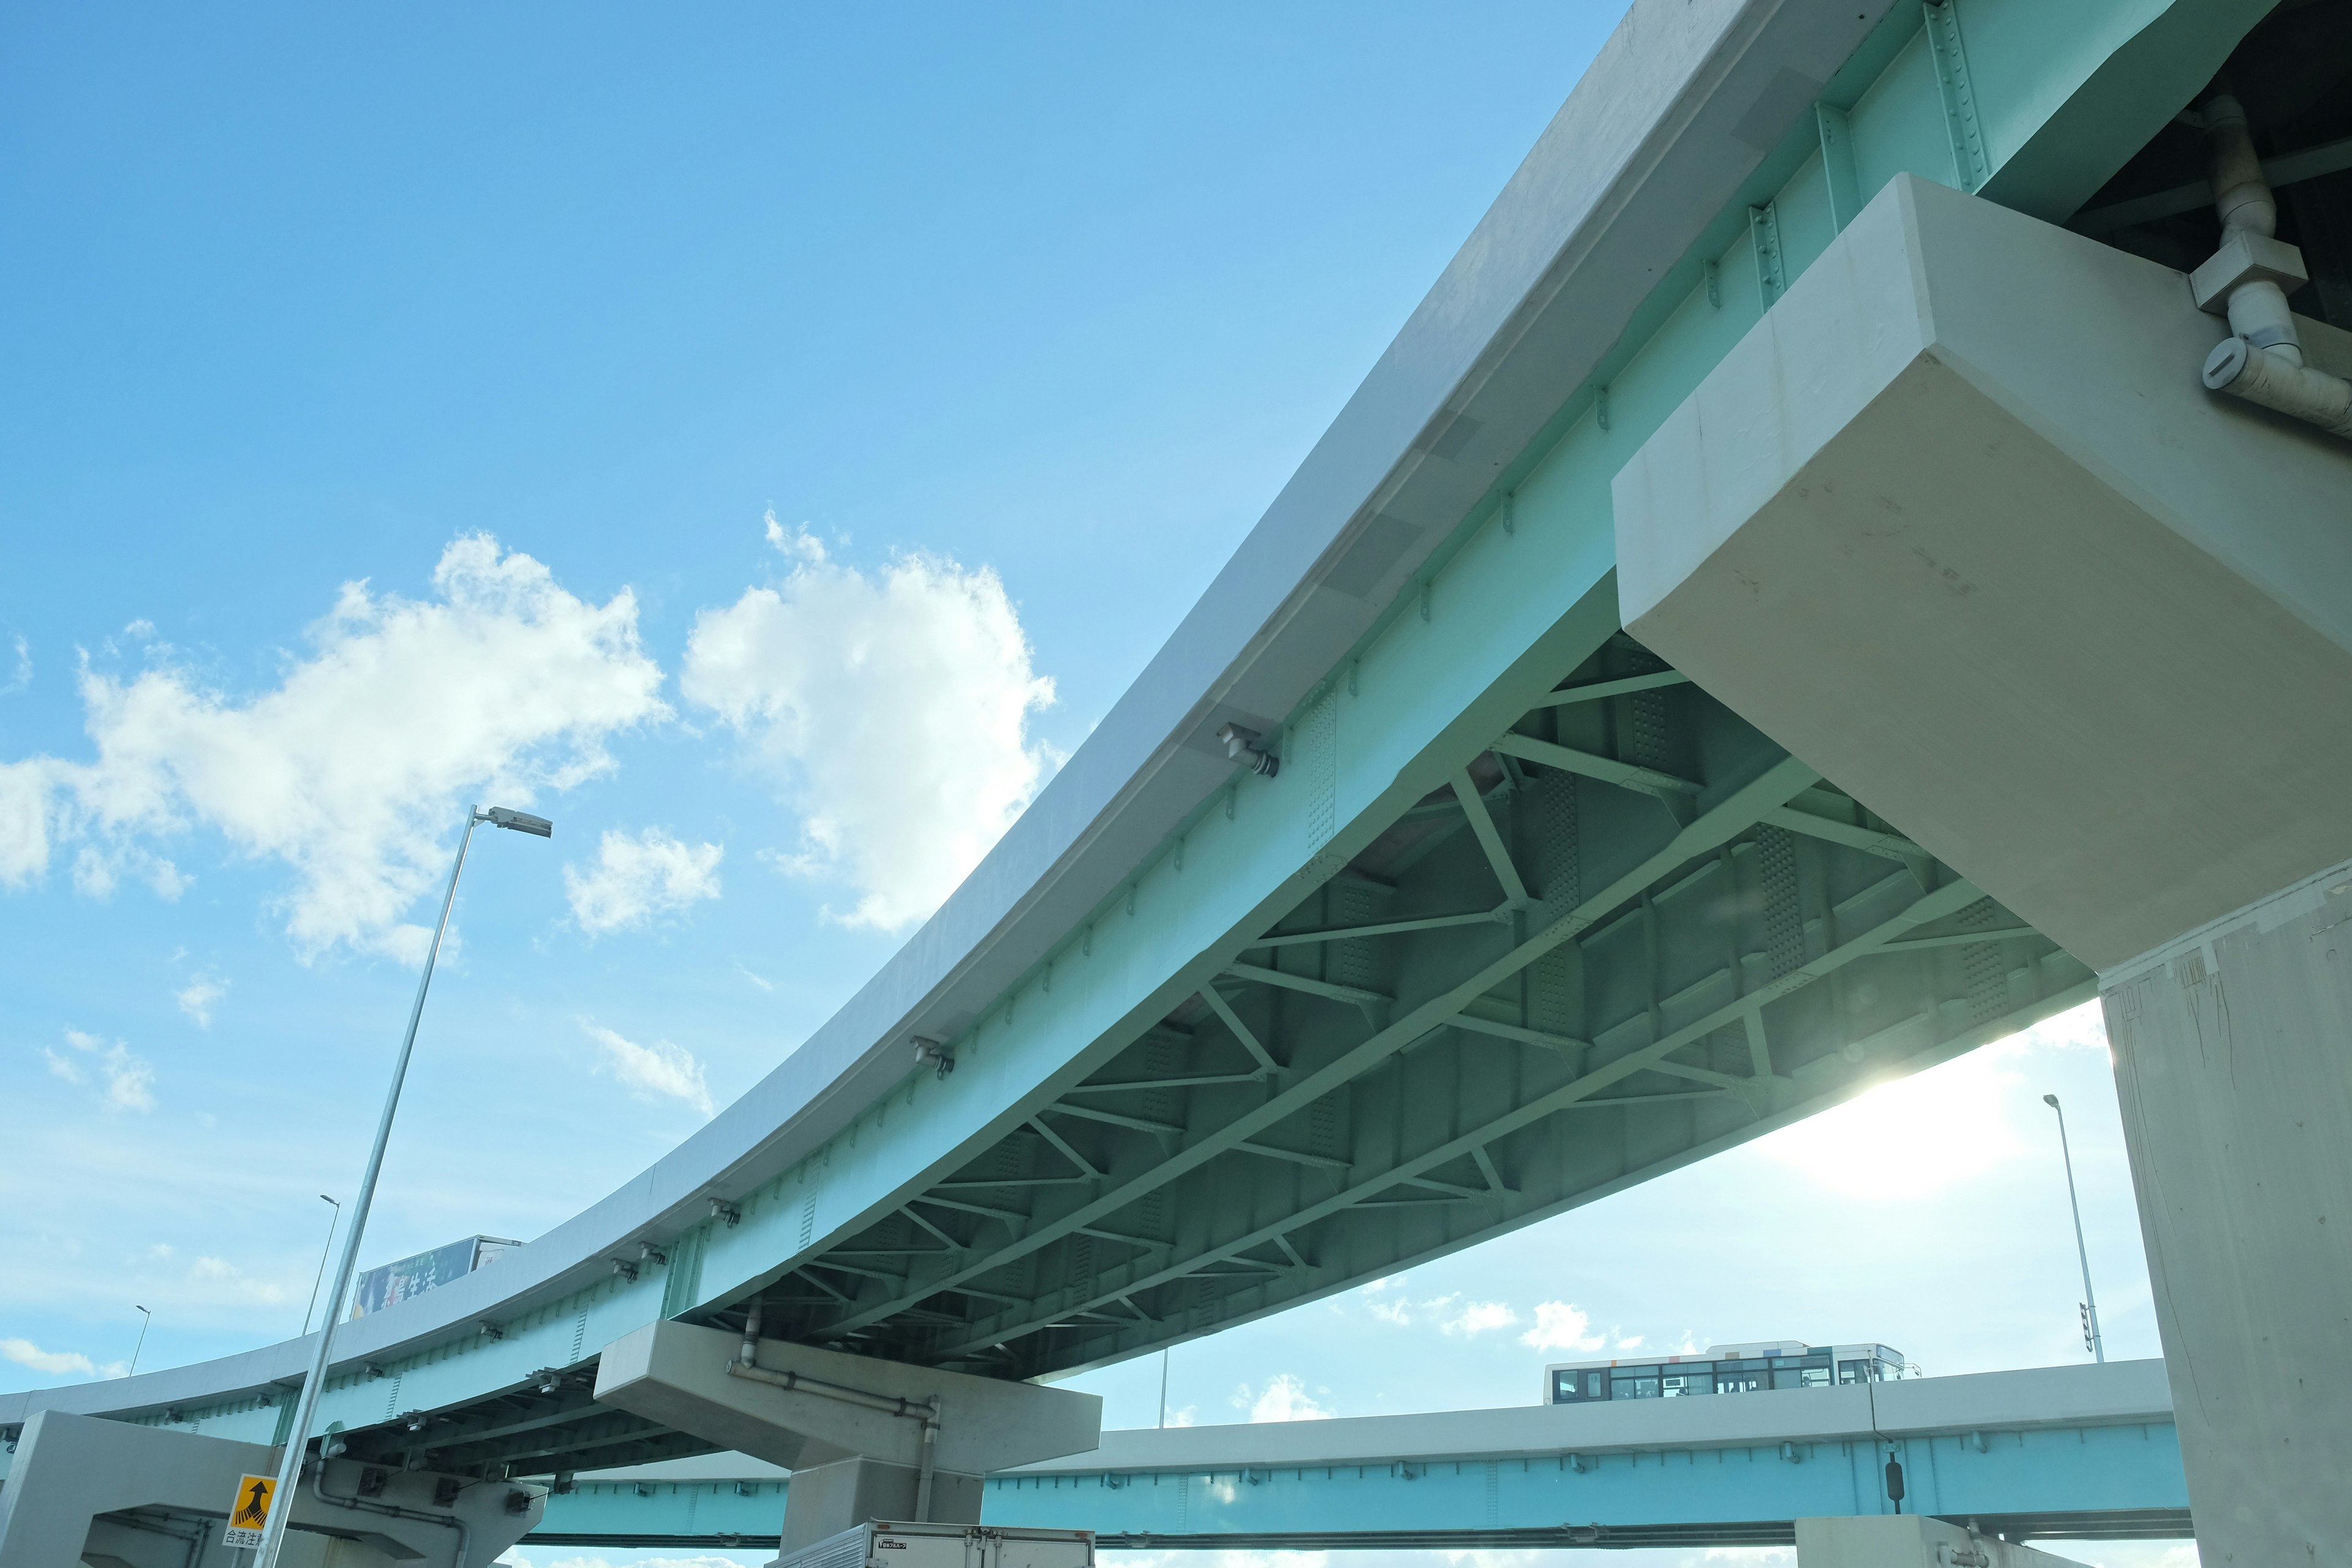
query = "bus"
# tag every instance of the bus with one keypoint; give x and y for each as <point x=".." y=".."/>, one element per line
<point x="1721" y="1369"/>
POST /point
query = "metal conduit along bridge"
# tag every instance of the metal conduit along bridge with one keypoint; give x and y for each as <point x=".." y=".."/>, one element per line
<point x="1405" y="898"/>
<point x="2075" y="1452"/>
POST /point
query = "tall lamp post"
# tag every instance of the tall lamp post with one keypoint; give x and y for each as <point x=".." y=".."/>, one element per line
<point x="146" y="1320"/>
<point x="306" y="1409"/>
<point x="2090" y="1302"/>
<point x="326" y="1250"/>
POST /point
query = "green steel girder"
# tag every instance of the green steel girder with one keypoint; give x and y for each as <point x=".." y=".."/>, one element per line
<point x="1672" y="885"/>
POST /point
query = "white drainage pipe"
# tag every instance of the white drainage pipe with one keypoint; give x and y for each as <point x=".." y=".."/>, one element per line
<point x="2247" y="279"/>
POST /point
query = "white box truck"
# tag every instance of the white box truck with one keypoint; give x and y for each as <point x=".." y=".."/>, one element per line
<point x="886" y="1544"/>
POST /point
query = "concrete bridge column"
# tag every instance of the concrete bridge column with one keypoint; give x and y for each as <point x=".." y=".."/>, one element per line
<point x="1958" y="524"/>
<point x="84" y="1489"/>
<point x="2233" y="1061"/>
<point x="1907" y="1540"/>
<point x="858" y="1434"/>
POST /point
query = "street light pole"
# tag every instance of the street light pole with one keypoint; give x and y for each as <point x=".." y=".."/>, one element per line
<point x="306" y="1408"/>
<point x="2090" y="1302"/>
<point x="146" y="1319"/>
<point x="326" y="1250"/>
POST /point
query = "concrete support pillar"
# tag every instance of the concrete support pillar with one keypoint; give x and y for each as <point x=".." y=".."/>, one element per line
<point x="1907" y="1541"/>
<point x="83" y="1489"/>
<point x="826" y="1499"/>
<point x="847" y="1427"/>
<point x="2233" y="1062"/>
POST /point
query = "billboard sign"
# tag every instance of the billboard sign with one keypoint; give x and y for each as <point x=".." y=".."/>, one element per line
<point x="393" y="1283"/>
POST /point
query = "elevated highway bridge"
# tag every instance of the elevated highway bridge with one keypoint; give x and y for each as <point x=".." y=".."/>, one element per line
<point x="1409" y="896"/>
<point x="2070" y="1453"/>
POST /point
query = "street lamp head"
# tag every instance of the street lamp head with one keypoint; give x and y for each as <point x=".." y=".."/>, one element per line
<point x="325" y="1199"/>
<point x="137" y="1308"/>
<point x="520" y="821"/>
<point x="2050" y="1101"/>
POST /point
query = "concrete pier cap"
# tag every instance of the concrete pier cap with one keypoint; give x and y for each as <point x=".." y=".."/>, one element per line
<point x="850" y="1462"/>
<point x="1958" y="524"/>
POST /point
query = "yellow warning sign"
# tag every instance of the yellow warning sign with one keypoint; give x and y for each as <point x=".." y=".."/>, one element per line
<point x="250" y="1511"/>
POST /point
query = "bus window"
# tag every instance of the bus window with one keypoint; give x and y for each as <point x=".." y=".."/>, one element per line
<point x="1738" y="1376"/>
<point x="1683" y="1383"/>
<point x="1575" y="1387"/>
<point x="1633" y="1383"/>
<point x="1854" y="1372"/>
<point x="1800" y="1372"/>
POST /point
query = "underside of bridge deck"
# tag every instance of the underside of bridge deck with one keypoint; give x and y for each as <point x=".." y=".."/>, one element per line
<point x="1630" y="931"/>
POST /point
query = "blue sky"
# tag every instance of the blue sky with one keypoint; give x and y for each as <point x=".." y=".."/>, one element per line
<point x="737" y="437"/>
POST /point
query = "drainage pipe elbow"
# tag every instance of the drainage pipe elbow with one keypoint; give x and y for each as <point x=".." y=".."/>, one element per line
<point x="2262" y="360"/>
<point x="2268" y="377"/>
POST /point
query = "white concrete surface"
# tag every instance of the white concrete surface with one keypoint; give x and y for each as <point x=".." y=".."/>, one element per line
<point x="169" y="1493"/>
<point x="1958" y="524"/>
<point x="2233" y="1061"/>
<point x="1907" y="1540"/>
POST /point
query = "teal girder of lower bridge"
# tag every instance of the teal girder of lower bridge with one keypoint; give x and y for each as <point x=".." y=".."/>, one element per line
<point x="1523" y="919"/>
<point x="2074" y="1453"/>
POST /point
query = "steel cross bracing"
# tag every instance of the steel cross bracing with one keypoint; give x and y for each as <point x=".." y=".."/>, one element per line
<point x="1625" y="933"/>
<point x="1557" y="975"/>
<point x="550" y="1424"/>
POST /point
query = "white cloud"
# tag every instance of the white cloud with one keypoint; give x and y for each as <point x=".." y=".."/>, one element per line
<point x="637" y="878"/>
<point x="1449" y="1313"/>
<point x="25" y="813"/>
<point x="197" y="998"/>
<point x="130" y="1078"/>
<point x="1479" y="1318"/>
<point x="353" y="769"/>
<point x="97" y="871"/>
<point x="1285" y="1398"/>
<point x="1563" y="1326"/>
<point x="655" y="1072"/>
<point x="56" y="1363"/>
<point x="23" y="678"/>
<point x="893" y="706"/>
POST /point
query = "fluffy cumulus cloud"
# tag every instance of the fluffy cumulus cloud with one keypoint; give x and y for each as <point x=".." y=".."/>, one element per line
<point x="653" y="1073"/>
<point x="352" y="769"/>
<point x="56" y="1363"/>
<point x="124" y="1080"/>
<point x="1570" y="1327"/>
<point x="893" y="706"/>
<point x="1477" y="1318"/>
<point x="1284" y="1397"/>
<point x="638" y="877"/>
<point x="1386" y="1299"/>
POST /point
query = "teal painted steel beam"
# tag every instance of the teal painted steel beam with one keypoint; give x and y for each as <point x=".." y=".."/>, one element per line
<point x="2079" y="1451"/>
